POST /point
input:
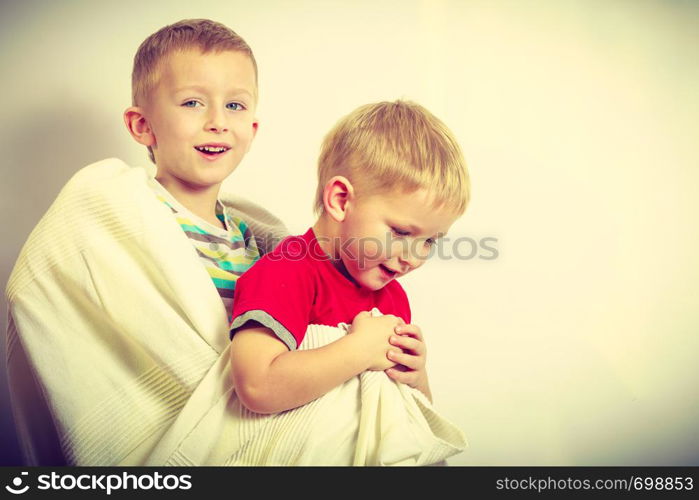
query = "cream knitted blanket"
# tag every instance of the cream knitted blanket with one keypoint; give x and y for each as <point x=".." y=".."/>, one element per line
<point x="118" y="350"/>
<point x="368" y="420"/>
<point x="113" y="322"/>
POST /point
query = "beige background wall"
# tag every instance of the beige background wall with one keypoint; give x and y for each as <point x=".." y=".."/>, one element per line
<point x="578" y="344"/>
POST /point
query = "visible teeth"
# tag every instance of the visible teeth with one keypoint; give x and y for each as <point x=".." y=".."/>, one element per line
<point x="211" y="149"/>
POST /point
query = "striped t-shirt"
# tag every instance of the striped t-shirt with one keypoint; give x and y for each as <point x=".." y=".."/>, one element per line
<point x="226" y="253"/>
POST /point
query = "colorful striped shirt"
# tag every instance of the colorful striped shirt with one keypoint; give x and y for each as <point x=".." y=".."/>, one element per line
<point x="225" y="253"/>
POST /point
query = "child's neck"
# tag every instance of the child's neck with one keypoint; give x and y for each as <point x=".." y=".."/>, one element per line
<point x="200" y="201"/>
<point x="327" y="232"/>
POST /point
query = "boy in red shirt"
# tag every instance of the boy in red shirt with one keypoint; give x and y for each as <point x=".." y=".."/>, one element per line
<point x="392" y="180"/>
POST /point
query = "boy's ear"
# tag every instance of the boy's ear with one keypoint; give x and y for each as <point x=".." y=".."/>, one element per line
<point x="255" y="126"/>
<point x="138" y="126"/>
<point x="337" y="194"/>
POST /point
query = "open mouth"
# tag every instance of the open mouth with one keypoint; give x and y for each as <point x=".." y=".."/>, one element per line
<point x="212" y="150"/>
<point x="387" y="272"/>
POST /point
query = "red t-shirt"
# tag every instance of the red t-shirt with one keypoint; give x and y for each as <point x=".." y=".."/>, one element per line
<point x="297" y="285"/>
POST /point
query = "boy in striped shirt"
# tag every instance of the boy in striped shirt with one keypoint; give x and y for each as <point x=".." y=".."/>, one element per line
<point x="194" y="102"/>
<point x="108" y="342"/>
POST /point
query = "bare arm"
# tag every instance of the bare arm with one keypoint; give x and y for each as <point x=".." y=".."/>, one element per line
<point x="269" y="378"/>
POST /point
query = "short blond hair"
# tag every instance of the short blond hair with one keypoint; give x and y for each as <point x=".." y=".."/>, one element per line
<point x="203" y="34"/>
<point x="387" y="145"/>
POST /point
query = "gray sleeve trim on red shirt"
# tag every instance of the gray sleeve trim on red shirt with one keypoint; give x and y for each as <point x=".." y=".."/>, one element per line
<point x="267" y="321"/>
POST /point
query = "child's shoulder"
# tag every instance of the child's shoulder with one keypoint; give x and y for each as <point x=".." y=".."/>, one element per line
<point x="289" y="258"/>
<point x="298" y="251"/>
<point x="106" y="182"/>
<point x="102" y="174"/>
<point x="101" y="190"/>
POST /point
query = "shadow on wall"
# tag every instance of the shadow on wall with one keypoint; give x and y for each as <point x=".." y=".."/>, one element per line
<point x="40" y="153"/>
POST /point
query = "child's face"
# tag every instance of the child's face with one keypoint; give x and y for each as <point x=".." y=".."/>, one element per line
<point x="385" y="236"/>
<point x="202" y="116"/>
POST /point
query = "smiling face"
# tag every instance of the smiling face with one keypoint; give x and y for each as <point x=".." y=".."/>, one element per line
<point x="385" y="236"/>
<point x="201" y="116"/>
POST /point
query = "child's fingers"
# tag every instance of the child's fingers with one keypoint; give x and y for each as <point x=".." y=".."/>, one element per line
<point x="408" y="343"/>
<point x="408" y="360"/>
<point x="411" y="330"/>
<point x="403" y="377"/>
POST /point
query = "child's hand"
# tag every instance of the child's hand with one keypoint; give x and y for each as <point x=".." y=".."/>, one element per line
<point x="374" y="332"/>
<point x="410" y="362"/>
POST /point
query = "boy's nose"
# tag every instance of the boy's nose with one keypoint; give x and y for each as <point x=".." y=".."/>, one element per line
<point x="410" y="260"/>
<point x="216" y="122"/>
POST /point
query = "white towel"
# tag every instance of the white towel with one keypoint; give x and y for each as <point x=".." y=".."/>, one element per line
<point x="113" y="321"/>
<point x="368" y="420"/>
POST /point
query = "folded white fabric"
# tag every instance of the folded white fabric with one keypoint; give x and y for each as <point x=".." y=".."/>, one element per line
<point x="113" y="321"/>
<point x="369" y="420"/>
<point x="117" y="350"/>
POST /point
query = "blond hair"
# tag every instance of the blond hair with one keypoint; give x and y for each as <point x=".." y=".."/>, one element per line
<point x="203" y="34"/>
<point x="385" y="145"/>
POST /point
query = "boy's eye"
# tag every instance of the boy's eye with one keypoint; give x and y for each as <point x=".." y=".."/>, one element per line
<point x="400" y="232"/>
<point x="190" y="104"/>
<point x="235" y="106"/>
